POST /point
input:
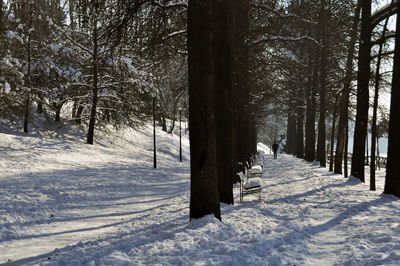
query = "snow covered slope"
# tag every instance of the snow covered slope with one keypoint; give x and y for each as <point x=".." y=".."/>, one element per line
<point x="67" y="203"/>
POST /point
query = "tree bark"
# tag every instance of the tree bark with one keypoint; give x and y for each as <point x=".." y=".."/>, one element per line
<point x="344" y="103"/>
<point x="240" y="80"/>
<point x="93" y="110"/>
<point x="291" y="133"/>
<point x="58" y="112"/>
<point x="252" y="131"/>
<point x="372" y="185"/>
<point x="28" y="80"/>
<point x="39" y="108"/>
<point x="78" y="115"/>
<point x="321" y="152"/>
<point x="300" y="124"/>
<point x="311" y="110"/>
<point x="360" y="131"/>
<point x="309" y="125"/>
<point x="333" y="134"/>
<point x="204" y="197"/>
<point x="392" y="182"/>
<point x="2" y="28"/>
<point x="346" y="148"/>
<point x="71" y="14"/>
<point x="223" y="97"/>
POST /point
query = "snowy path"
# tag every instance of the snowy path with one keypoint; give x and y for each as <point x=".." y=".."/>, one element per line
<point x="328" y="219"/>
<point x="64" y="203"/>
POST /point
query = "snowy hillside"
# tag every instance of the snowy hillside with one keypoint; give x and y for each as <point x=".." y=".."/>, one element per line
<point x="63" y="202"/>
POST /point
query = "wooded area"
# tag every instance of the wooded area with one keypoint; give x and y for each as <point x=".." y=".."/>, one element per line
<point x="242" y="71"/>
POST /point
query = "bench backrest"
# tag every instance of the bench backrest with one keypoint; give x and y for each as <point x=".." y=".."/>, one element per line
<point x="242" y="177"/>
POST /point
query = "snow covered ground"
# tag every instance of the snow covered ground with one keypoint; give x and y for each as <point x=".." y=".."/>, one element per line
<point x="63" y="202"/>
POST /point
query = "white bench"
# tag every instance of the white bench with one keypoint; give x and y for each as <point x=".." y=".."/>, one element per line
<point x="254" y="171"/>
<point x="249" y="186"/>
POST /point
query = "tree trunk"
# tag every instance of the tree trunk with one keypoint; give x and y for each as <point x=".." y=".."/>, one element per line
<point x="392" y="182"/>
<point x="78" y="115"/>
<point x="163" y="121"/>
<point x="321" y="152"/>
<point x="26" y="114"/>
<point x="28" y="80"/>
<point x="311" y="110"/>
<point x="58" y="111"/>
<point x="252" y="131"/>
<point x="346" y="147"/>
<point x="344" y="103"/>
<point x="2" y="28"/>
<point x="333" y="134"/>
<point x="309" y="124"/>
<point x="204" y="197"/>
<point x="366" y="146"/>
<point x="39" y="108"/>
<point x="93" y="110"/>
<point x="71" y="14"/>
<point x="74" y="109"/>
<point x="377" y="150"/>
<point x="372" y="185"/>
<point x="300" y="126"/>
<point x="240" y="79"/>
<point x="360" y="131"/>
<point x="290" y="147"/>
<point x="172" y="126"/>
<point x="223" y="98"/>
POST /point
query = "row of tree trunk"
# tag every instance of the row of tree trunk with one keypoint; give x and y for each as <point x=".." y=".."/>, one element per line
<point x="317" y="62"/>
<point x="221" y="129"/>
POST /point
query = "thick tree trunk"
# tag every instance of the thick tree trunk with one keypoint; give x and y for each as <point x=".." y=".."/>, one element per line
<point x="240" y="79"/>
<point x="360" y="131"/>
<point x="344" y="103"/>
<point x="223" y="98"/>
<point x="204" y="197"/>
<point x="290" y="147"/>
<point x="392" y="182"/>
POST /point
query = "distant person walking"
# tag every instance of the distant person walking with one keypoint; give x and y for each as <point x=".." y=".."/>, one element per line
<point x="275" y="149"/>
